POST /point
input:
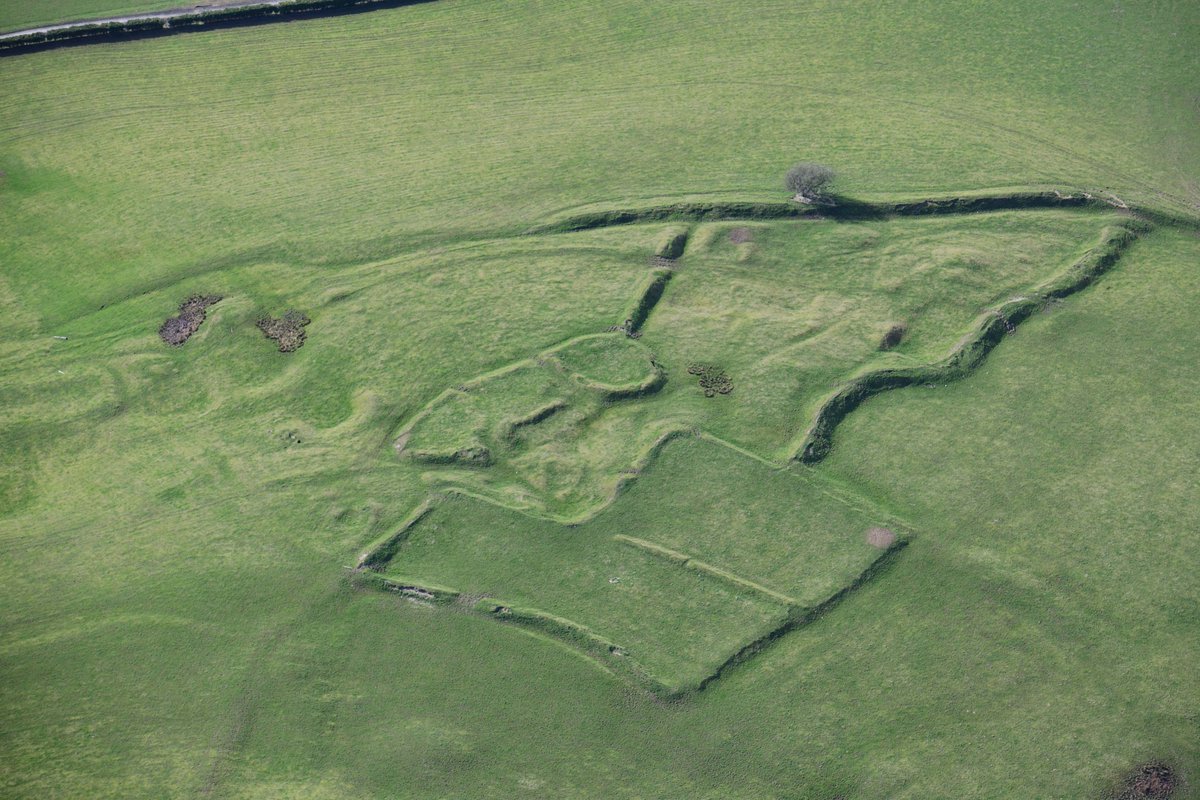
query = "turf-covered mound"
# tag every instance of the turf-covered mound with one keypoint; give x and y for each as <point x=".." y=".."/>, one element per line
<point x="544" y="426"/>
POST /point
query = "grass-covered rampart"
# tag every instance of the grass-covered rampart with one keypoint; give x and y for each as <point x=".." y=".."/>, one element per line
<point x="989" y="331"/>
<point x="838" y="207"/>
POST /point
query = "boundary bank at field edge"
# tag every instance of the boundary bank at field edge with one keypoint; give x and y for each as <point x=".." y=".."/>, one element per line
<point x="153" y="24"/>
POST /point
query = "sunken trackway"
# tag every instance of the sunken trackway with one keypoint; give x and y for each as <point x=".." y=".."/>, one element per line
<point x="239" y="13"/>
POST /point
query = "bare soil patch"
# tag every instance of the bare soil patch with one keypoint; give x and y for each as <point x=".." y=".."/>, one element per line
<point x="893" y="337"/>
<point x="1152" y="781"/>
<point x="741" y="235"/>
<point x="287" y="330"/>
<point x="177" y="330"/>
<point x="881" y="538"/>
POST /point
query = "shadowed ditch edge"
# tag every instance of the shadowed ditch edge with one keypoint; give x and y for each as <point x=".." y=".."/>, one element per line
<point x="802" y="616"/>
<point x="849" y="209"/>
<point x="149" y="25"/>
<point x="843" y="208"/>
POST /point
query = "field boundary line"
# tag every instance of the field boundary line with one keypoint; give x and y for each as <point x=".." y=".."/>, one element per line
<point x="383" y="550"/>
<point x="688" y="562"/>
<point x="632" y="473"/>
<point x="973" y="348"/>
<point x="152" y="24"/>
<point x="840" y="207"/>
<point x="846" y="208"/>
<point x="578" y="638"/>
<point x="804" y="616"/>
<point x="606" y="653"/>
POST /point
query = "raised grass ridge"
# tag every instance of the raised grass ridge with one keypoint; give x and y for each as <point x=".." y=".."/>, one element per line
<point x="973" y="348"/>
<point x="971" y="351"/>
<point x="800" y="616"/>
<point x="843" y="208"/>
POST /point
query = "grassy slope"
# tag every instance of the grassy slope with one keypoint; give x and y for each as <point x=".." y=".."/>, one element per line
<point x="343" y="139"/>
<point x="171" y="618"/>
<point x="1036" y="661"/>
<point x="795" y="312"/>
<point x="1060" y="487"/>
<point x="1039" y="638"/>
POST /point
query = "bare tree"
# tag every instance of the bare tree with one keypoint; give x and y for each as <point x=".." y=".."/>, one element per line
<point x="808" y="181"/>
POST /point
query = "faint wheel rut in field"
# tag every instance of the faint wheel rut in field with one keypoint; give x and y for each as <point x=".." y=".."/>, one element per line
<point x="257" y="672"/>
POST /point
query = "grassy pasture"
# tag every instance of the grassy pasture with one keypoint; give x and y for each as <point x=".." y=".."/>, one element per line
<point x="800" y="307"/>
<point x="173" y="522"/>
<point x="1008" y="653"/>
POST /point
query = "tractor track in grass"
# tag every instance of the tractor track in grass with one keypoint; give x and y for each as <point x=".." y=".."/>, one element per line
<point x="255" y="674"/>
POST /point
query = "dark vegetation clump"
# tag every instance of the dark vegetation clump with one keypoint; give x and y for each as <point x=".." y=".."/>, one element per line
<point x="287" y="330"/>
<point x="177" y="330"/>
<point x="808" y="181"/>
<point x="893" y="337"/>
<point x="713" y="379"/>
<point x="1153" y="781"/>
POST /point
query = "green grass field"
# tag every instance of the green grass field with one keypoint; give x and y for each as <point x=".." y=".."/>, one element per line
<point x="183" y="529"/>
